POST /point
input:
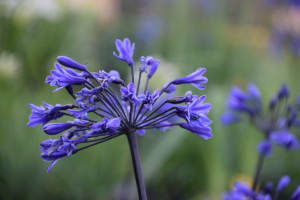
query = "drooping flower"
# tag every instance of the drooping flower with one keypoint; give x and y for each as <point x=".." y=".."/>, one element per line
<point x="195" y="79"/>
<point x="125" y="51"/>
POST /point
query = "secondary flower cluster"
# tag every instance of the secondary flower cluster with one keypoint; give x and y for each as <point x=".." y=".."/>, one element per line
<point x="120" y="113"/>
<point x="275" y="124"/>
<point x="242" y="191"/>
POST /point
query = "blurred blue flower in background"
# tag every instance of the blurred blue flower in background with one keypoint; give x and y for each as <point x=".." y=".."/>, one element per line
<point x="274" y="124"/>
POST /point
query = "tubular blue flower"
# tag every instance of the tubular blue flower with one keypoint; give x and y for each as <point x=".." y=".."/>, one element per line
<point x="285" y="138"/>
<point x="55" y="128"/>
<point x="152" y="68"/>
<point x="83" y="112"/>
<point x="296" y="195"/>
<point x="195" y="79"/>
<point x="130" y="94"/>
<point x="265" y="147"/>
<point x="283" y="182"/>
<point x="169" y="89"/>
<point x="195" y="112"/>
<point x="63" y="78"/>
<point x="204" y="132"/>
<point x="68" y="62"/>
<point x="125" y="51"/>
<point x="149" y="99"/>
<point x="42" y="115"/>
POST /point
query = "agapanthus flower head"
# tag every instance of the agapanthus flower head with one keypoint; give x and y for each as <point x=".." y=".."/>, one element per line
<point x="274" y="124"/>
<point x="120" y="114"/>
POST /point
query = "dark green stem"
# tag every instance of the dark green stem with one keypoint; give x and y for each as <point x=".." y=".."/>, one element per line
<point x="132" y="140"/>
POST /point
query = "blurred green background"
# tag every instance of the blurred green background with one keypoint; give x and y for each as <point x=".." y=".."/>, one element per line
<point x="235" y="40"/>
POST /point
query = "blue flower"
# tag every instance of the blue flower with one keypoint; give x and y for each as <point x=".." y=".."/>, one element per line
<point x="274" y="125"/>
<point x="283" y="182"/>
<point x="195" y="112"/>
<point x="68" y="62"/>
<point x="55" y="128"/>
<point x="296" y="195"/>
<point x="125" y="51"/>
<point x="148" y="99"/>
<point x="130" y="94"/>
<point x="63" y="78"/>
<point x="42" y="115"/>
<point x="195" y="79"/>
<point x="204" y="132"/>
<point x="249" y="103"/>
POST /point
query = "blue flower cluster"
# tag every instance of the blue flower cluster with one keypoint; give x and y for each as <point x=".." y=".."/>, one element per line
<point x="274" y="124"/>
<point x="242" y="191"/>
<point x="121" y="113"/>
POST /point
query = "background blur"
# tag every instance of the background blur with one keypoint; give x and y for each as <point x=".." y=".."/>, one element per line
<point x="237" y="41"/>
